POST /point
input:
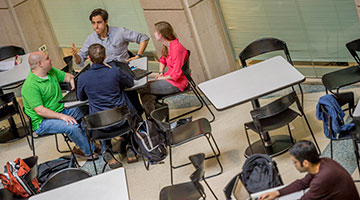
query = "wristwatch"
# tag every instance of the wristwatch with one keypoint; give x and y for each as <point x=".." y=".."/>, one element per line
<point x="138" y="55"/>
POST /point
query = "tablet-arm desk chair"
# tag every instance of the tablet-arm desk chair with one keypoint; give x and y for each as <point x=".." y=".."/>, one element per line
<point x="266" y="45"/>
<point x="108" y="124"/>
<point x="184" y="134"/>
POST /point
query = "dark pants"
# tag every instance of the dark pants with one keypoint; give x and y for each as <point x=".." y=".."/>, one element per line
<point x="153" y="91"/>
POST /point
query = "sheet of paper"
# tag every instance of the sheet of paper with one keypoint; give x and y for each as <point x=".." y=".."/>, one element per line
<point x="7" y="65"/>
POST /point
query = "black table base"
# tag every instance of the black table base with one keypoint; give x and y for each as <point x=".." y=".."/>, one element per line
<point x="6" y="134"/>
<point x="280" y="144"/>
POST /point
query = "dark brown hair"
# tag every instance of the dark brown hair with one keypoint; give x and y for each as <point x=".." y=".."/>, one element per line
<point x="101" y="12"/>
<point x="167" y="32"/>
<point x="96" y="53"/>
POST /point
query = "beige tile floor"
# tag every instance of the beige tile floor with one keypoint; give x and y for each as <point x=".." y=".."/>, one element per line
<point x="229" y="134"/>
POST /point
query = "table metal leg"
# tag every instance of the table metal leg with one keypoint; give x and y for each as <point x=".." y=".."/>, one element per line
<point x="274" y="145"/>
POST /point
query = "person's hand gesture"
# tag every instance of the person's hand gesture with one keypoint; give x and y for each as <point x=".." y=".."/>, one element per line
<point x="74" y="49"/>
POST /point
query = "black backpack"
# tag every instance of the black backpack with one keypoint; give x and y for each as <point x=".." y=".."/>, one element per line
<point x="151" y="142"/>
<point x="49" y="168"/>
<point x="259" y="173"/>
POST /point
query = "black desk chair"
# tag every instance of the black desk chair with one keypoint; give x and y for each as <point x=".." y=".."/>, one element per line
<point x="353" y="47"/>
<point x="191" y="190"/>
<point x="108" y="124"/>
<point x="273" y="116"/>
<point x="266" y="45"/>
<point x="191" y="87"/>
<point x="64" y="177"/>
<point x="31" y="132"/>
<point x="344" y="77"/>
<point x="10" y="51"/>
<point x="8" y="108"/>
<point x="342" y="99"/>
<point x="183" y="134"/>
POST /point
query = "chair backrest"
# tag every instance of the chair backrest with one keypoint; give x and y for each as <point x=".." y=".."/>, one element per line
<point x="354" y="46"/>
<point x="197" y="161"/>
<point x="104" y="123"/>
<point x="64" y="177"/>
<point x="69" y="64"/>
<point x="10" y="51"/>
<point x="186" y="68"/>
<point x="276" y="106"/>
<point x="261" y="46"/>
<point x="342" y="99"/>
<point x="161" y="117"/>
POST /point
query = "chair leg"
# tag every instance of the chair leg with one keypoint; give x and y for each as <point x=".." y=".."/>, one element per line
<point x="291" y="137"/>
<point x="356" y="151"/>
<point x="248" y="139"/>
<point x="92" y="156"/>
<point x="311" y="132"/>
<point x="212" y="192"/>
<point x="208" y="136"/>
<point x="57" y="145"/>
<point x="171" y="167"/>
<point x="331" y="149"/>
<point x="197" y="93"/>
<point x="72" y="153"/>
<point x="191" y="111"/>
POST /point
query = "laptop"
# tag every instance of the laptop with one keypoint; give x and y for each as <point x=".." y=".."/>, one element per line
<point x="71" y="95"/>
<point x="133" y="69"/>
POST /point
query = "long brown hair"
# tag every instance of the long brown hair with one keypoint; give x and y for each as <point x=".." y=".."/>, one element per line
<point x="167" y="32"/>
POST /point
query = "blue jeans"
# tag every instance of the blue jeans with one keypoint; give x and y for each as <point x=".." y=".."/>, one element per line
<point x="74" y="131"/>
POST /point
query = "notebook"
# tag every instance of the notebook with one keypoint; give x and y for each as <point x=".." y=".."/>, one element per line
<point x="71" y="96"/>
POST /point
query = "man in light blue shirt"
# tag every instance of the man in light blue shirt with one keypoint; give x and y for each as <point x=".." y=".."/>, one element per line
<point x="114" y="39"/>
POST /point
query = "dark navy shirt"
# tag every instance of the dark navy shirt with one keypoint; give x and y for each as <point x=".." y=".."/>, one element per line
<point x="103" y="87"/>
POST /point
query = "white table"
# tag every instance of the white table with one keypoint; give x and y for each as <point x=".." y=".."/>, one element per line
<point x="16" y="75"/>
<point x="249" y="84"/>
<point x="292" y="196"/>
<point x="109" y="185"/>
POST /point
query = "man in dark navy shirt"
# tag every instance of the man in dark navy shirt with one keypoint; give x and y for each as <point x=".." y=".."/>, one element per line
<point x="103" y="86"/>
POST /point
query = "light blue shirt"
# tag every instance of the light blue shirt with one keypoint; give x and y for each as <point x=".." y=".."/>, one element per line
<point x="116" y="43"/>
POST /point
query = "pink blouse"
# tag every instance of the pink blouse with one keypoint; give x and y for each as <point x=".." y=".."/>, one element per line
<point x="177" y="55"/>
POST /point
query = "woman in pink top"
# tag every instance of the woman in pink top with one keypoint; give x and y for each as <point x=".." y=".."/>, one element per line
<point x="173" y="56"/>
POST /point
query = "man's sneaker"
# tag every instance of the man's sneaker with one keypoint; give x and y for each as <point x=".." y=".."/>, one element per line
<point x="79" y="154"/>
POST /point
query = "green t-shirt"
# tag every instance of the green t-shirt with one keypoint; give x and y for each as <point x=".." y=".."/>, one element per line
<point x="38" y="91"/>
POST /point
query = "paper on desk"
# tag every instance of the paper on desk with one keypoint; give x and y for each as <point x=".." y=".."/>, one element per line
<point x="7" y="65"/>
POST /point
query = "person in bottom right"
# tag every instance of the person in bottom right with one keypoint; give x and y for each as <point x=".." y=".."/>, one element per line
<point x="325" y="178"/>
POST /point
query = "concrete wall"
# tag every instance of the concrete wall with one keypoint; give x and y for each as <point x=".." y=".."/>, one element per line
<point x="198" y="26"/>
<point x="25" y="24"/>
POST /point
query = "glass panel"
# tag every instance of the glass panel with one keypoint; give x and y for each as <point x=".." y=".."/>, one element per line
<point x="70" y="19"/>
<point x="315" y="31"/>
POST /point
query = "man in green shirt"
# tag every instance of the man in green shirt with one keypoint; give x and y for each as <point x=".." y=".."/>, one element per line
<point x="41" y="95"/>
